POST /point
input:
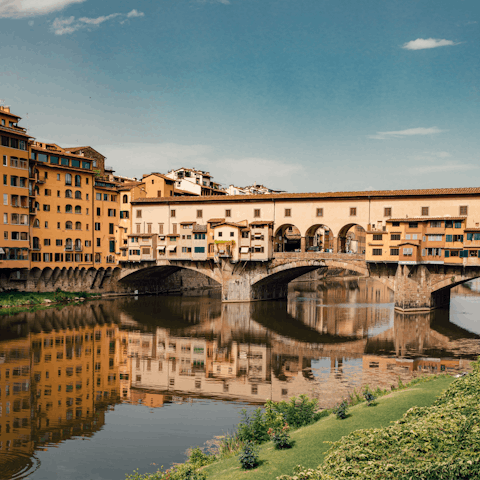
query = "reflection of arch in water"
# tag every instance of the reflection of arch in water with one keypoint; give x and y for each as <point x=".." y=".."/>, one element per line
<point x="319" y="238"/>
<point x="351" y="239"/>
<point x="287" y="238"/>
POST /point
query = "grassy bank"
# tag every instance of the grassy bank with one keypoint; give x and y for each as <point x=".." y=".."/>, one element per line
<point x="310" y="442"/>
<point x="13" y="301"/>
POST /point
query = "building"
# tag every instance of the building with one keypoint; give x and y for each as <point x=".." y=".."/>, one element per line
<point x="158" y="185"/>
<point x="196" y="182"/>
<point x="17" y="192"/>
<point x="251" y="190"/>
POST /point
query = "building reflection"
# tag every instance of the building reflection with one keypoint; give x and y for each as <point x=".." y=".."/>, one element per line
<point x="62" y="370"/>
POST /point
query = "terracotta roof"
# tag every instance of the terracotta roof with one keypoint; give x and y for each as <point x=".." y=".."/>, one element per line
<point x="216" y="220"/>
<point x="76" y="149"/>
<point x="20" y="131"/>
<point x="199" y="229"/>
<point x="187" y="223"/>
<point x="324" y="195"/>
<point x="184" y="192"/>
<point x="231" y="224"/>
<point x="424" y="219"/>
<point x="416" y="243"/>
<point x="161" y="175"/>
<point x="10" y="114"/>
<point x="477" y="229"/>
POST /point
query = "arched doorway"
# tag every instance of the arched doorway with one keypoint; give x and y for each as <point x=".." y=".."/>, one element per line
<point x="287" y="239"/>
<point x="319" y="238"/>
<point x="351" y="239"/>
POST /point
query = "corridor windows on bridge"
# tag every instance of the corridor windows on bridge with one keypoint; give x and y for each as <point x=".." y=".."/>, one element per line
<point x="228" y="213"/>
<point x="138" y="214"/>
<point x="287" y="239"/>
<point x="387" y="212"/>
<point x="463" y="210"/>
<point x="172" y="213"/>
<point x="256" y="213"/>
<point x="425" y="211"/>
<point x="288" y="212"/>
<point x="319" y="212"/>
<point x="352" y="239"/>
<point x="353" y="211"/>
<point x="199" y="213"/>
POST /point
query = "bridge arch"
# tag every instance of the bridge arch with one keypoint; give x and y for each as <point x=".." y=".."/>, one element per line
<point x="287" y="238"/>
<point x="319" y="238"/>
<point x="351" y="239"/>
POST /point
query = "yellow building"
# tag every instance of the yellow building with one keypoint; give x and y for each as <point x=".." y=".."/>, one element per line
<point x="158" y="185"/>
<point x="17" y="192"/>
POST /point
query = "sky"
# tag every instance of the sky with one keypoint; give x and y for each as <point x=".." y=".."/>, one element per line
<point x="298" y="95"/>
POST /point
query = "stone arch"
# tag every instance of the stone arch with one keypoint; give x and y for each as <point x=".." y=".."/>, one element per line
<point x="287" y="238"/>
<point x="34" y="275"/>
<point x="319" y="238"/>
<point x="45" y="276"/>
<point x="351" y="238"/>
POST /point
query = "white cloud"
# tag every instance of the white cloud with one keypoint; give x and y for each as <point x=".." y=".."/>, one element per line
<point x="63" y="26"/>
<point x="31" y="8"/>
<point x="406" y="133"/>
<point x="136" y="159"/>
<point x="423" y="43"/>
<point x="452" y="167"/>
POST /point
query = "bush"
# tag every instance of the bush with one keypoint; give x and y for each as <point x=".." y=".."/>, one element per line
<point x="249" y="455"/>
<point x="183" y="471"/>
<point x="198" y="458"/>
<point x="279" y="434"/>
<point x="369" y="397"/>
<point x="253" y="427"/>
<point x="341" y="410"/>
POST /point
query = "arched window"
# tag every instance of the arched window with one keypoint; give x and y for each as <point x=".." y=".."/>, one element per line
<point x="98" y="258"/>
<point x="68" y="225"/>
<point x="78" y="209"/>
<point x="78" y="245"/>
<point x="68" y="244"/>
<point x="78" y="194"/>
<point x="78" y="225"/>
<point x="36" y="243"/>
<point x="37" y="205"/>
<point x="68" y="194"/>
<point x="68" y="179"/>
<point x="125" y="199"/>
<point x="68" y="209"/>
<point x="36" y="223"/>
<point x="78" y="181"/>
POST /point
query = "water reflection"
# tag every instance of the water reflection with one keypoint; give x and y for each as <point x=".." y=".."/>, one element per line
<point x="62" y="370"/>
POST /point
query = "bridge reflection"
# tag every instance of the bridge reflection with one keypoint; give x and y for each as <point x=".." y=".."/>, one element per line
<point x="62" y="370"/>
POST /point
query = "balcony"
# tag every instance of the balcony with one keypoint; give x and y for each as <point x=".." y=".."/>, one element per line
<point x="32" y="211"/>
<point x="69" y="248"/>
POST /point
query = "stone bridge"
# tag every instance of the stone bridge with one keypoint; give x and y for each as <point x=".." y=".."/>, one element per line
<point x="417" y="287"/>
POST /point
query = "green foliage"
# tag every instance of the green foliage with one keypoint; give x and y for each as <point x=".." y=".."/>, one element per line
<point x="227" y="445"/>
<point x="278" y="432"/>
<point x="441" y="441"/>
<point x="183" y="471"/>
<point x="369" y="397"/>
<point x="249" y="455"/>
<point x="198" y="458"/>
<point x="253" y="427"/>
<point x="341" y="410"/>
<point x="297" y="412"/>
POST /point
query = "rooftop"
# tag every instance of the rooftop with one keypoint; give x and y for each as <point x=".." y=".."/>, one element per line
<point x="371" y="194"/>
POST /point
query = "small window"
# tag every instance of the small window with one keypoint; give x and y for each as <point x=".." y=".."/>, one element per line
<point x="387" y="212"/>
<point x="377" y="237"/>
<point x="395" y="236"/>
<point x="172" y="213"/>
<point x="394" y="251"/>
<point x="319" y="212"/>
<point x="425" y="211"/>
<point x="199" y="213"/>
<point x="288" y="212"/>
<point x="228" y="213"/>
<point x="464" y="210"/>
<point x="376" y="251"/>
<point x="256" y="212"/>
<point x="353" y="212"/>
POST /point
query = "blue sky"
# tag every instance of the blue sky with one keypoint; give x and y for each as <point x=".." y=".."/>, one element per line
<point x="301" y="95"/>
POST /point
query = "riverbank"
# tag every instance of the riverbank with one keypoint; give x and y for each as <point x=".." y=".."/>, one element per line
<point x="14" y="302"/>
<point x="313" y="442"/>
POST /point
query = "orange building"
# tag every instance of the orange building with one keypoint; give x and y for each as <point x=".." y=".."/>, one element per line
<point x="17" y="191"/>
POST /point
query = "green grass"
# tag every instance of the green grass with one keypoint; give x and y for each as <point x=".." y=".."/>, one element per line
<point x="310" y="447"/>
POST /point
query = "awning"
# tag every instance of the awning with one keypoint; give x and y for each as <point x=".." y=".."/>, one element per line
<point x="244" y="249"/>
<point x="171" y="248"/>
<point x="162" y="248"/>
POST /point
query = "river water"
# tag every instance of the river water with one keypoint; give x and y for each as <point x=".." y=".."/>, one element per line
<point x="97" y="390"/>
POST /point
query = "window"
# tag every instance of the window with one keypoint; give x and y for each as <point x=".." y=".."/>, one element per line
<point x="124" y="214"/>
<point x="110" y="229"/>
<point x="199" y="213"/>
<point x="232" y="234"/>
<point x="377" y="251"/>
<point x="319" y="212"/>
<point x="48" y="192"/>
<point x="78" y="225"/>
<point x="98" y="242"/>
<point x="228" y="213"/>
<point x="105" y="197"/>
<point x="5" y="198"/>
<point x="78" y="194"/>
<point x="58" y="242"/>
<point x="68" y="194"/>
<point x="4" y="160"/>
<point x="78" y="178"/>
<point x="112" y="212"/>
<point x="125" y="199"/>
<point x="288" y="212"/>
<point x="98" y="196"/>
<point x="78" y="209"/>
<point x="395" y="224"/>
<point x="172" y="213"/>
<point x="97" y="226"/>
<point x="408" y="252"/>
<point x="200" y="236"/>
<point x="160" y="228"/>
<point x="458" y="224"/>
<point x="220" y="234"/>
<point x="394" y="251"/>
<point x="436" y="224"/>
<point x="413" y="225"/>
<point x="68" y="225"/>
<point x="434" y="238"/>
<point x="139" y="214"/>
<point x="46" y="208"/>
<point x="137" y="225"/>
<point x="353" y="212"/>
<point x="377" y="236"/>
<point x="425" y="211"/>
<point x="256" y="212"/>
<point x="387" y="212"/>
<point x="149" y="228"/>
<point x="68" y="179"/>
<point x="395" y="236"/>
<point x="464" y="210"/>
<point x="68" y="209"/>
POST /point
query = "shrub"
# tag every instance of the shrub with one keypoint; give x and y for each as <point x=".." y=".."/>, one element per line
<point x="341" y="410"/>
<point x="249" y="455"/>
<point x="369" y="397"/>
<point x="253" y="427"/>
<point x="297" y="412"/>
<point x="198" y="458"/>
<point x="183" y="471"/>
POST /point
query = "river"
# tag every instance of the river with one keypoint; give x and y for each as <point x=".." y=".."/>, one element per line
<point x="97" y="390"/>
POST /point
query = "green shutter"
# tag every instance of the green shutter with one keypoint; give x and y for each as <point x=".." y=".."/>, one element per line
<point x="447" y="252"/>
<point x="469" y="236"/>
<point x="449" y="238"/>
